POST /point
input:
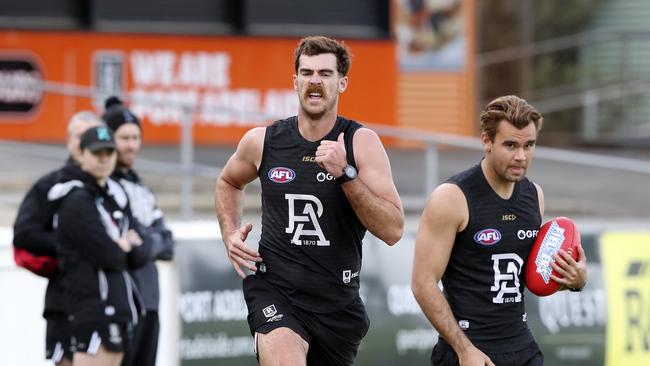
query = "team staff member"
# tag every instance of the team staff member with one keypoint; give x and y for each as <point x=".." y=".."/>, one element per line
<point x="481" y="316"/>
<point x="128" y="137"/>
<point x="325" y="180"/>
<point x="34" y="230"/>
<point x="99" y="241"/>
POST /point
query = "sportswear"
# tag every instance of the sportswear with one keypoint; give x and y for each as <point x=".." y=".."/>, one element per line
<point x="311" y="237"/>
<point x="484" y="280"/>
<point x="98" y="287"/>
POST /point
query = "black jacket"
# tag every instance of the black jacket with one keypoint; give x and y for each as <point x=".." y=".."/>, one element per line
<point x="143" y="206"/>
<point x="34" y="228"/>
<point x="98" y="287"/>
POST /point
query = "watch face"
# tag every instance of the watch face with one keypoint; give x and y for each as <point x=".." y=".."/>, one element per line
<point x="350" y="172"/>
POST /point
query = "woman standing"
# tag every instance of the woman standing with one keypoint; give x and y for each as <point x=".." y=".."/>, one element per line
<point x="99" y="242"/>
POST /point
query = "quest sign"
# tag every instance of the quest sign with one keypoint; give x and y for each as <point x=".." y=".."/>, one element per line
<point x="231" y="84"/>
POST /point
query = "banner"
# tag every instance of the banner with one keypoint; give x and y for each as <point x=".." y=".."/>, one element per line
<point x="626" y="265"/>
<point x="569" y="327"/>
<point x="213" y="311"/>
<point x="235" y="83"/>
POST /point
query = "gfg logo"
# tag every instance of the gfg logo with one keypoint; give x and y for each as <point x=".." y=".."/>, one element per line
<point x="487" y="237"/>
<point x="282" y="175"/>
<point x="527" y="234"/>
<point x="322" y="176"/>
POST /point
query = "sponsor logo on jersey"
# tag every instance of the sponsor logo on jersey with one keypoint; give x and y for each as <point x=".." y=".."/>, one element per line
<point x="308" y="159"/>
<point x="269" y="311"/>
<point x="348" y="275"/>
<point x="527" y="234"/>
<point x="508" y="217"/>
<point x="324" y="176"/>
<point x="282" y="175"/>
<point x="487" y="236"/>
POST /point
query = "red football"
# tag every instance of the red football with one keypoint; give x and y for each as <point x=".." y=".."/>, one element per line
<point x="559" y="233"/>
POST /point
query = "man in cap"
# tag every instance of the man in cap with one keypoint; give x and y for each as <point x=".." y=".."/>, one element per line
<point x="128" y="138"/>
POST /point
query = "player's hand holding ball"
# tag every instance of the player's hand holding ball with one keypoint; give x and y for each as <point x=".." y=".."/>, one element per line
<point x="556" y="259"/>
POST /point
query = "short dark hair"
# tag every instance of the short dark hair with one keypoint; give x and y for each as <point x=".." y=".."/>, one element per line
<point x="316" y="45"/>
<point x="512" y="109"/>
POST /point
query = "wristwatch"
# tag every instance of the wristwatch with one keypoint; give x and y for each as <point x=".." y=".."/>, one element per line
<point x="349" y="173"/>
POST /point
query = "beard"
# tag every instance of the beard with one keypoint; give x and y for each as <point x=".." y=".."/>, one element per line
<point x="127" y="159"/>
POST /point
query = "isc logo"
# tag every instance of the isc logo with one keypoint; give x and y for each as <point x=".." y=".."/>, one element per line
<point x="281" y="175"/>
<point x="487" y="237"/>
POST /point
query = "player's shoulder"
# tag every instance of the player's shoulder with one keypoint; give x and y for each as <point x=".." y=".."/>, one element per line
<point x="447" y="203"/>
<point x="251" y="145"/>
<point x="253" y="137"/>
<point x="255" y="132"/>
<point x="448" y="193"/>
<point x="365" y="138"/>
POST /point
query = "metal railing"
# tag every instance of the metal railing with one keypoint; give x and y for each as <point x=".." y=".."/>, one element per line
<point x="584" y="93"/>
<point x="187" y="169"/>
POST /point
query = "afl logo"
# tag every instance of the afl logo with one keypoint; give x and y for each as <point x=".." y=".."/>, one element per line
<point x="281" y="175"/>
<point x="487" y="237"/>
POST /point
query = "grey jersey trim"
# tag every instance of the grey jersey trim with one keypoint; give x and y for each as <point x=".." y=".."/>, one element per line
<point x="61" y="190"/>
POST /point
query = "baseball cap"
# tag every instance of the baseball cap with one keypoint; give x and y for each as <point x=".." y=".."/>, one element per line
<point x="117" y="114"/>
<point x="97" y="138"/>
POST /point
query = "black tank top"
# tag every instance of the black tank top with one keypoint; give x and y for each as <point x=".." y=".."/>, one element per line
<point x="484" y="280"/>
<point x="311" y="237"/>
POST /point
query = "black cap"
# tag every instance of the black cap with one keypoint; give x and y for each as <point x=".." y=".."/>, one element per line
<point x="97" y="138"/>
<point x="117" y="114"/>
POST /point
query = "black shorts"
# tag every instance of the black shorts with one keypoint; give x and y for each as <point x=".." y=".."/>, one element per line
<point x="115" y="337"/>
<point x="333" y="338"/>
<point x="57" y="337"/>
<point x="531" y="355"/>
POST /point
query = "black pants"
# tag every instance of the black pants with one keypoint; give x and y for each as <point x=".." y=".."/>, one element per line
<point x="531" y="355"/>
<point x="333" y="338"/>
<point x="145" y="345"/>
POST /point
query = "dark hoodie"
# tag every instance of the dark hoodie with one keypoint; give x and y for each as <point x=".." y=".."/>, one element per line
<point x="97" y="284"/>
<point x="35" y="225"/>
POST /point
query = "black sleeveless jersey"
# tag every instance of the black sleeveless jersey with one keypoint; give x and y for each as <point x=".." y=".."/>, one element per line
<point x="311" y="238"/>
<point x="484" y="280"/>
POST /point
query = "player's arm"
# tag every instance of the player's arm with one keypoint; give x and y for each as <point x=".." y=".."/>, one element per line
<point x="240" y="170"/>
<point x="372" y="194"/>
<point x="445" y="214"/>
